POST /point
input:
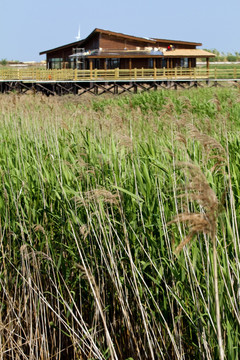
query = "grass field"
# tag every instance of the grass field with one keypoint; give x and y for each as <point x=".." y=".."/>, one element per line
<point x="119" y="226"/>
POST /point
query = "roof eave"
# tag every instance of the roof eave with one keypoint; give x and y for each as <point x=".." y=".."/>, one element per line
<point x="76" y="43"/>
<point x="123" y="56"/>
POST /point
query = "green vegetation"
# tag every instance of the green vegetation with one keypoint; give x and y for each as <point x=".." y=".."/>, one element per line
<point x="3" y="62"/>
<point x="119" y="226"/>
<point x="221" y="56"/>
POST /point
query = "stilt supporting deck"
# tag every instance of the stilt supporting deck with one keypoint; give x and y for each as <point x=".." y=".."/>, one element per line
<point x="98" y="88"/>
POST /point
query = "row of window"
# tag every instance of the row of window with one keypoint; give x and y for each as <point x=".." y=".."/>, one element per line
<point x="57" y="63"/>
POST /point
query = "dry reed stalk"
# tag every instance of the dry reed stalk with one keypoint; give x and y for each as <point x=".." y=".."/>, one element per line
<point x="97" y="195"/>
<point x="200" y="191"/>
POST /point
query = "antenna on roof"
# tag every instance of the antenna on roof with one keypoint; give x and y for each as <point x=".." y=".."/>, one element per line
<point x="78" y="37"/>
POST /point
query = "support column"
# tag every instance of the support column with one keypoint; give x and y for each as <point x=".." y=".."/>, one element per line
<point x="207" y="59"/>
<point x="90" y="67"/>
<point x="207" y="63"/>
<point x="130" y="64"/>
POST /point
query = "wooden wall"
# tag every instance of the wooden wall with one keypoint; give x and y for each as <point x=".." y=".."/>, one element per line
<point x="177" y="46"/>
<point x="114" y="43"/>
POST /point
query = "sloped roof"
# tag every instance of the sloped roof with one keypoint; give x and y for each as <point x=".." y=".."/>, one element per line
<point x="119" y="35"/>
<point x="188" y="53"/>
<point x="144" y="39"/>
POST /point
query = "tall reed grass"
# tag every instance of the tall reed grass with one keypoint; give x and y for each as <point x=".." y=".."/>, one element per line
<point x="119" y="226"/>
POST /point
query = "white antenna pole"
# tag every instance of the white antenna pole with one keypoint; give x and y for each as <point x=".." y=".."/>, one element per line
<point x="78" y="37"/>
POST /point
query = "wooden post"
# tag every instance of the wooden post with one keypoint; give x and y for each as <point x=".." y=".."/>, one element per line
<point x="235" y="73"/>
<point x="207" y="67"/>
<point x="130" y="67"/>
<point x="207" y="63"/>
<point x="116" y="73"/>
<point x="90" y="67"/>
<point x="130" y="64"/>
<point x="167" y="63"/>
<point x="105" y="64"/>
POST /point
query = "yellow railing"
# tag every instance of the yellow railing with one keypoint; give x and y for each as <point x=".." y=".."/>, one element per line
<point x="117" y="74"/>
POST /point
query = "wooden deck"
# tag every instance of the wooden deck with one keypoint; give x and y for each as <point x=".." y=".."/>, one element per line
<point x="116" y="81"/>
<point x="36" y="75"/>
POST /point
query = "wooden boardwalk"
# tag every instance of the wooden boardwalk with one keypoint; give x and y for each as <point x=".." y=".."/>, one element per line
<point x="115" y="81"/>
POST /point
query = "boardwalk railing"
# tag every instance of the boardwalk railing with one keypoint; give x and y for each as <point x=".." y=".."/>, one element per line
<point x="36" y="75"/>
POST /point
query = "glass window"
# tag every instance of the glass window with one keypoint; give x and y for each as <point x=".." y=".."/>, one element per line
<point x="55" y="63"/>
<point x="164" y="63"/>
<point x="113" y="63"/>
<point x="150" y="63"/>
<point x="184" y="62"/>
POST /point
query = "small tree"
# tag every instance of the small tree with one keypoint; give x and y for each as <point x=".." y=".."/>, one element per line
<point x="3" y="62"/>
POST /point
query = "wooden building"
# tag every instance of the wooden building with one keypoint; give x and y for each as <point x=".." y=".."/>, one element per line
<point x="104" y="49"/>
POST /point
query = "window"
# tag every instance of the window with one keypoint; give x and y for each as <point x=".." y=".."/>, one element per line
<point x="55" y="63"/>
<point x="113" y="63"/>
<point x="164" y="63"/>
<point x="96" y="64"/>
<point x="184" y="62"/>
<point x="150" y="63"/>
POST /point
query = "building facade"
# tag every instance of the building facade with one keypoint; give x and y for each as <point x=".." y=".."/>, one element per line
<point x="104" y="49"/>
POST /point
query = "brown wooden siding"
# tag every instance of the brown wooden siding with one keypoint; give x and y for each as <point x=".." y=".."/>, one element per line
<point x="92" y="43"/>
<point x="139" y="63"/>
<point x="177" y="46"/>
<point x="114" y="43"/>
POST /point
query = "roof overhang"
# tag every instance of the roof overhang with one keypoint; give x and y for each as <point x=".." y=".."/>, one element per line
<point x="194" y="53"/>
<point x="125" y="56"/>
<point x="75" y="44"/>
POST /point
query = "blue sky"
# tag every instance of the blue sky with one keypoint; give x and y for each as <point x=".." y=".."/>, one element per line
<point x="29" y="26"/>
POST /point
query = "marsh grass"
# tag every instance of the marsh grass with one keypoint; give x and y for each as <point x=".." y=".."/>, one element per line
<point x="97" y="198"/>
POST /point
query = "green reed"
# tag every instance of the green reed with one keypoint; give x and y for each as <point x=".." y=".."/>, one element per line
<point x="96" y="196"/>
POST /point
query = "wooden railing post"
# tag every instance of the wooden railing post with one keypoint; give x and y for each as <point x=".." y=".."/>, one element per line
<point x="116" y="73"/>
<point x="135" y="73"/>
<point x="155" y="73"/>
<point x="91" y="68"/>
<point x="195" y="73"/>
<point x="215" y="73"/>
